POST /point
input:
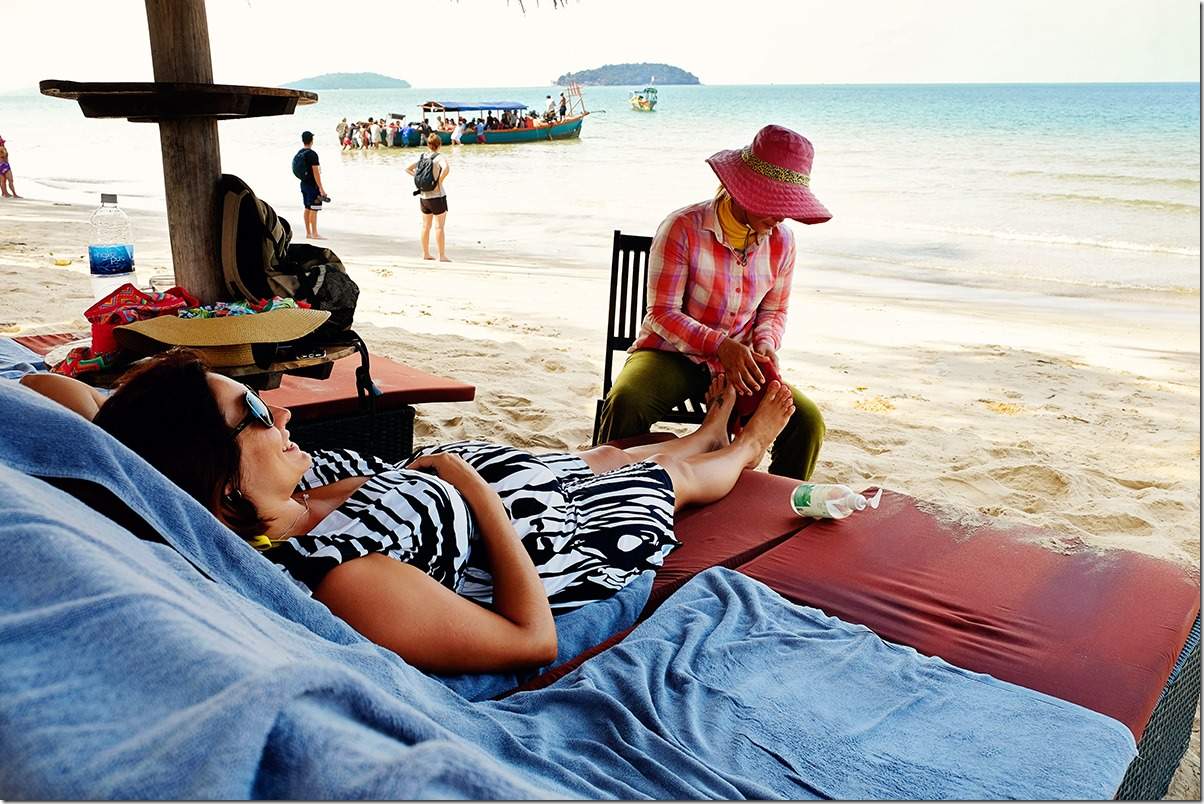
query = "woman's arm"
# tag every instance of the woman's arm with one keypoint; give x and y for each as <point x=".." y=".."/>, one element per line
<point x="433" y="628"/>
<point x="67" y="391"/>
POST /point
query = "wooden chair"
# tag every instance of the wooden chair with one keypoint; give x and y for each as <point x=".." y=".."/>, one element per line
<point x="628" y="304"/>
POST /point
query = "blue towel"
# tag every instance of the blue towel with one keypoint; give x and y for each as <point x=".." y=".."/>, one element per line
<point x="576" y="632"/>
<point x="16" y="360"/>
<point x="127" y="673"/>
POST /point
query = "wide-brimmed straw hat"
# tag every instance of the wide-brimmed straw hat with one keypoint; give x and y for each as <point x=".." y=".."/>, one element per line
<point x="772" y="176"/>
<point x="225" y="342"/>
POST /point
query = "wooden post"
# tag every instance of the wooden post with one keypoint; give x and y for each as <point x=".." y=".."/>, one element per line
<point x="179" y="41"/>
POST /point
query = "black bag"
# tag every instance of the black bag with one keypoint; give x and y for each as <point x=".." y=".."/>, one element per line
<point x="424" y="174"/>
<point x="323" y="282"/>
<point x="300" y="168"/>
<point x="259" y="261"/>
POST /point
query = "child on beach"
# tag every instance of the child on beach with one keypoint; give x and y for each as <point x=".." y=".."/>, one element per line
<point x="7" y="189"/>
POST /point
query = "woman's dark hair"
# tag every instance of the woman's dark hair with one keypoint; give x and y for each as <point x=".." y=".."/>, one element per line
<point x="165" y="411"/>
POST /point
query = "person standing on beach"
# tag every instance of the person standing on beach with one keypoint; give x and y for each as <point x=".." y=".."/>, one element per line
<point x="305" y="166"/>
<point x="341" y="129"/>
<point x="433" y="203"/>
<point x="7" y="188"/>
<point x="719" y="276"/>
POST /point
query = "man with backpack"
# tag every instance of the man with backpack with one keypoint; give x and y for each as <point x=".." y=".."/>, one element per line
<point x="305" y="168"/>
<point x="429" y="172"/>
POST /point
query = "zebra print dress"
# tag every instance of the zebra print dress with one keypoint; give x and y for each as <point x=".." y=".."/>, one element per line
<point x="588" y="535"/>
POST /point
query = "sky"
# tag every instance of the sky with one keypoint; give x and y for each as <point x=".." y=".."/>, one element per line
<point x="483" y="43"/>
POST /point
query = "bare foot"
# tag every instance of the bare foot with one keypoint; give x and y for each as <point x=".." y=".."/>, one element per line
<point x="769" y="419"/>
<point x="317" y="237"/>
<point x="445" y="259"/>
<point x="427" y="257"/>
<point x="720" y="399"/>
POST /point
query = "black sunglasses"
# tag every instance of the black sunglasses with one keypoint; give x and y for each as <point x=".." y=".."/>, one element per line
<point x="257" y="411"/>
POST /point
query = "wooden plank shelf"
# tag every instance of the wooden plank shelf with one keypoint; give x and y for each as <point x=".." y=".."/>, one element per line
<point x="154" y="101"/>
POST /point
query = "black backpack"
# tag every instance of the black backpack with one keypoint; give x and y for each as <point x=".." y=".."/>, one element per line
<point x="424" y="175"/>
<point x="300" y="168"/>
<point x="259" y="261"/>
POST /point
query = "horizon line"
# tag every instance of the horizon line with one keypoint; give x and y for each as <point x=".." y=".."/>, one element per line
<point x="34" y="89"/>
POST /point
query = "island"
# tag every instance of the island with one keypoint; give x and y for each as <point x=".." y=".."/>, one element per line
<point x="642" y="74"/>
<point x="349" y="81"/>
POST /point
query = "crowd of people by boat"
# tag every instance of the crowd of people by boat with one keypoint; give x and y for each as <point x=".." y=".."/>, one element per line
<point x="397" y="132"/>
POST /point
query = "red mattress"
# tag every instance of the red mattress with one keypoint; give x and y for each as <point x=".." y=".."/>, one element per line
<point x="755" y="516"/>
<point x="1100" y="629"/>
<point x="309" y="398"/>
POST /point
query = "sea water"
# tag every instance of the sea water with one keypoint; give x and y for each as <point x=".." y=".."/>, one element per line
<point x="1042" y="187"/>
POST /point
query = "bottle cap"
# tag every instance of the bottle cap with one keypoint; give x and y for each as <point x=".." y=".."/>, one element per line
<point x="108" y="198"/>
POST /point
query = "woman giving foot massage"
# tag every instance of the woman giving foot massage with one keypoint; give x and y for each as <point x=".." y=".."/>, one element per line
<point x="404" y="554"/>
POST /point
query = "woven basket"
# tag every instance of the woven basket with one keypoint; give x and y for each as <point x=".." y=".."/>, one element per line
<point x="387" y="434"/>
<point x="1168" y="733"/>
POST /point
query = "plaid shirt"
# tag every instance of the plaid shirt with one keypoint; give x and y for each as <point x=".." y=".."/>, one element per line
<point x="700" y="290"/>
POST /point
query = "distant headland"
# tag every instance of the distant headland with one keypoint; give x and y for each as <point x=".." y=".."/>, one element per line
<point x="349" y="81"/>
<point x="610" y="75"/>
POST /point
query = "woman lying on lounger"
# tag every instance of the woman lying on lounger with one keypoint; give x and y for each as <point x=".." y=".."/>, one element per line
<point x="400" y="553"/>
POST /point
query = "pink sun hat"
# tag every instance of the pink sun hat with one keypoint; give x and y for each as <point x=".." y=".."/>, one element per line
<point x="772" y="176"/>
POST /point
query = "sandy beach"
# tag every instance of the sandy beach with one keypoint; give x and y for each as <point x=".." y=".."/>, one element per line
<point x="1077" y="413"/>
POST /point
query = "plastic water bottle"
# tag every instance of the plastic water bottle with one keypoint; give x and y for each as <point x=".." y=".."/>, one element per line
<point x="111" y="249"/>
<point x="829" y="501"/>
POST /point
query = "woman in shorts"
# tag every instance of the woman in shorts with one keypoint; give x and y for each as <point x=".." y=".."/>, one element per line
<point x="433" y="203"/>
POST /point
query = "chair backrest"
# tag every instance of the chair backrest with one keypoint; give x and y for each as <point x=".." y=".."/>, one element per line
<point x="628" y="296"/>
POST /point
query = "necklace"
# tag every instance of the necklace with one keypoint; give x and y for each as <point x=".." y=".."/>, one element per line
<point x="293" y="524"/>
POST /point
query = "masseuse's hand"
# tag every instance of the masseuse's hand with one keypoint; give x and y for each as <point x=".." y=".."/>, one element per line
<point x="742" y="366"/>
<point x="765" y="350"/>
<point x="452" y="468"/>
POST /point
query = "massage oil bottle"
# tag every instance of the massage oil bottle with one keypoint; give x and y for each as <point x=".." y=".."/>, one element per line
<point x="829" y="500"/>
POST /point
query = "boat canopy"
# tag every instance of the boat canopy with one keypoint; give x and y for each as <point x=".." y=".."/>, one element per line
<point x="470" y="106"/>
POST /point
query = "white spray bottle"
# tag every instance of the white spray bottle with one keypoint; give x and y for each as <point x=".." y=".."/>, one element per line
<point x="830" y="501"/>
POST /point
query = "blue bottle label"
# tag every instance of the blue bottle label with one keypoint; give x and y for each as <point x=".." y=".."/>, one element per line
<point x="108" y="260"/>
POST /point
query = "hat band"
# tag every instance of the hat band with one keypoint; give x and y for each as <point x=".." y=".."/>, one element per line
<point x="774" y="171"/>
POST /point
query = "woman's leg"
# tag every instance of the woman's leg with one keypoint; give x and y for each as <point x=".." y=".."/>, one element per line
<point x="710" y="435"/>
<point x="709" y="476"/>
<point x="426" y="236"/>
<point x="440" y="220"/>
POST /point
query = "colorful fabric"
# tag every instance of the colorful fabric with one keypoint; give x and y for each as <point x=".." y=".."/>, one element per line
<point x="82" y="360"/>
<point x="700" y="290"/>
<point x="128" y="304"/>
<point x="241" y="307"/>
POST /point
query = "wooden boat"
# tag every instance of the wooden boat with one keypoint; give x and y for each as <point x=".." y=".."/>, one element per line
<point x="643" y="100"/>
<point x="565" y="128"/>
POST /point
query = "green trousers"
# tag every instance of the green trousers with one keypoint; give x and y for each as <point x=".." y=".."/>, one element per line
<point x="652" y="382"/>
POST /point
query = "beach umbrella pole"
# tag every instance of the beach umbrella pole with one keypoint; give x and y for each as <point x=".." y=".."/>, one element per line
<point x="186" y="105"/>
<point x="179" y="42"/>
